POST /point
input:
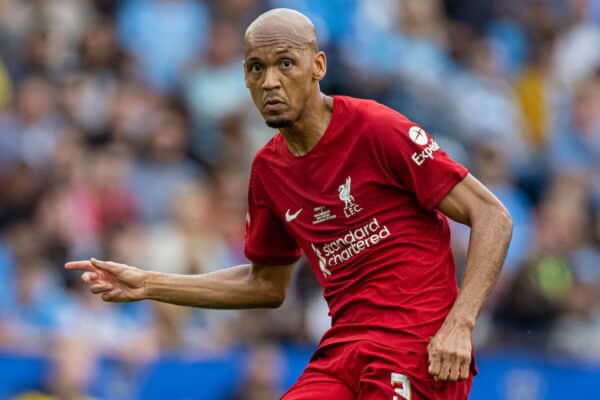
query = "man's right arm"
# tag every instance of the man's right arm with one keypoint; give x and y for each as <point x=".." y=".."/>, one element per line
<point x="263" y="283"/>
<point x="243" y="286"/>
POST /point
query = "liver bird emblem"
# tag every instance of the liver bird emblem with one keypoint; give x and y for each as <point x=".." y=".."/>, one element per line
<point x="344" y="191"/>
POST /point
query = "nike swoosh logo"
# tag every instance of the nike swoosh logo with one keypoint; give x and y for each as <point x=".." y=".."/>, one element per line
<point x="290" y="217"/>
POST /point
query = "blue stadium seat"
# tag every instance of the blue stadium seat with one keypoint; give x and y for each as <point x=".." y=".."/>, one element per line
<point x="20" y="373"/>
<point x="523" y="375"/>
<point x="177" y="378"/>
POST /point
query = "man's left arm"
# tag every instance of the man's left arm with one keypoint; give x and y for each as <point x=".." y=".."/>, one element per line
<point x="472" y="204"/>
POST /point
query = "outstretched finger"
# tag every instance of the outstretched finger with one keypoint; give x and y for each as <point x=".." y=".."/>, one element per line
<point x="107" y="266"/>
<point x="84" y="265"/>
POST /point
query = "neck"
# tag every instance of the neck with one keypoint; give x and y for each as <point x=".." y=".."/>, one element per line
<point x="306" y="132"/>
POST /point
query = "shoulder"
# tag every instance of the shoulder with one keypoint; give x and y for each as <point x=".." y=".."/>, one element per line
<point x="367" y="108"/>
<point x="381" y="127"/>
<point x="391" y="135"/>
<point x="372" y="114"/>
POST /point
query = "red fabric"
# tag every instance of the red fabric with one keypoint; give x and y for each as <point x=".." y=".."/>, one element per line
<point x="369" y="371"/>
<point x="361" y="205"/>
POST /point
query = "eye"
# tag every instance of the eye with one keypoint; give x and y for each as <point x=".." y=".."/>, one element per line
<point x="286" y="63"/>
<point x="254" y="67"/>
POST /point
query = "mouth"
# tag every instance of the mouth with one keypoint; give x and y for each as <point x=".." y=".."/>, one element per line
<point x="274" y="105"/>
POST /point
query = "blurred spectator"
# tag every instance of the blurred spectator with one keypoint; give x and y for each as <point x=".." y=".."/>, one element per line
<point x="163" y="36"/>
<point x="487" y="104"/>
<point x="97" y="194"/>
<point x="410" y="44"/>
<point x="239" y="13"/>
<point x="264" y="371"/>
<point x="490" y="165"/>
<point x="34" y="293"/>
<point x="532" y="302"/>
<point x="331" y="18"/>
<point x="188" y="243"/>
<point x="575" y="143"/>
<point x="163" y="167"/>
<point x="31" y="131"/>
<point x="132" y="113"/>
<point x="21" y="189"/>
<point x="476" y="14"/>
<point x="581" y="42"/>
<point x="87" y="95"/>
<point x="215" y="90"/>
<point x="5" y="86"/>
<point x="534" y="90"/>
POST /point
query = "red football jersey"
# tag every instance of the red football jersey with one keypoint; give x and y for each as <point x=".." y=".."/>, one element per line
<point x="361" y="206"/>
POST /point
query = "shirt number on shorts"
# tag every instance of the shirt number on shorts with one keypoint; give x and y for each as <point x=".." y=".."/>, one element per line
<point x="401" y="386"/>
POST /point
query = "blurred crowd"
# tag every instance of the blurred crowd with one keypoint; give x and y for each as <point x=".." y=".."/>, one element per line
<point x="126" y="133"/>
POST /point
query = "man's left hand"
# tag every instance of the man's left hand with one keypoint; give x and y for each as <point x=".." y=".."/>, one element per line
<point x="450" y="352"/>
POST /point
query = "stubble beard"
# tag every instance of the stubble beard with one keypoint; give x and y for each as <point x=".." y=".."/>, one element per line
<point x="279" y="123"/>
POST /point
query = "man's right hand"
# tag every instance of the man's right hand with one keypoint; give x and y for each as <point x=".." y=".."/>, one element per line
<point x="115" y="282"/>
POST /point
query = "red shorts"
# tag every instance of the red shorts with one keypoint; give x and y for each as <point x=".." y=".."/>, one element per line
<point x="368" y="371"/>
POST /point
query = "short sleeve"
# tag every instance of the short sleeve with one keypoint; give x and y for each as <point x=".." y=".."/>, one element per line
<point x="266" y="239"/>
<point x="415" y="159"/>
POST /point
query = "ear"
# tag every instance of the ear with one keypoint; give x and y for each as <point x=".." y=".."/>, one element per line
<point x="319" y="66"/>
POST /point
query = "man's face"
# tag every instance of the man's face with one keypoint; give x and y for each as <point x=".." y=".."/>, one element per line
<point x="280" y="79"/>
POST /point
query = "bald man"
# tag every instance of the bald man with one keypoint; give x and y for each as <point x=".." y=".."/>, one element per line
<point x="364" y="193"/>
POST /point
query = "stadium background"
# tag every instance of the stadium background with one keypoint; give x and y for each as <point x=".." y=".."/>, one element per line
<point x="126" y="133"/>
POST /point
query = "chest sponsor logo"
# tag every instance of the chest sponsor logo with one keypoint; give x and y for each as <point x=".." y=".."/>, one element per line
<point x="350" y="206"/>
<point x="322" y="214"/>
<point x="349" y="245"/>
<point x="290" y="217"/>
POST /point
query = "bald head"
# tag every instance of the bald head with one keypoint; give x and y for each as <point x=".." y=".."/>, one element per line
<point x="281" y="25"/>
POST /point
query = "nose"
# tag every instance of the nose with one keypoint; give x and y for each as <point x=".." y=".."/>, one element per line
<point x="271" y="79"/>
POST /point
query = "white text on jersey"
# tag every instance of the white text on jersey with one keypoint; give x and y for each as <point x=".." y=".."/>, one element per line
<point x="420" y="158"/>
<point x="322" y="214"/>
<point x="352" y="243"/>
